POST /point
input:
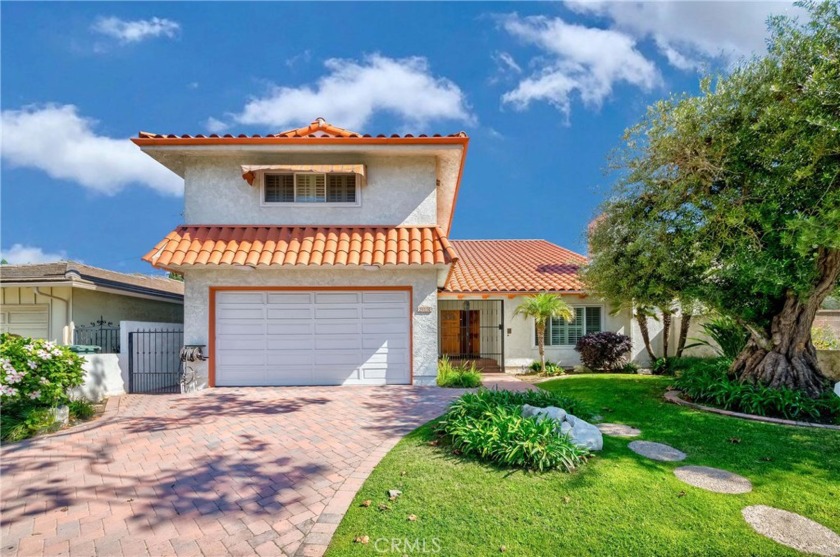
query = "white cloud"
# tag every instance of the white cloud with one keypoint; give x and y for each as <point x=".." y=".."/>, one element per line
<point x="20" y="254"/>
<point x="688" y="31"/>
<point x="63" y="144"/>
<point x="214" y="125"/>
<point x="506" y="61"/>
<point x="577" y="60"/>
<point x="136" y="30"/>
<point x="353" y="91"/>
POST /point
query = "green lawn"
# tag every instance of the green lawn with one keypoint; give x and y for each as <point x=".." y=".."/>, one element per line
<point x="617" y="504"/>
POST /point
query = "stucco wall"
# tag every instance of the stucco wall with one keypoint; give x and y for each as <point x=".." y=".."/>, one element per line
<point x="398" y="190"/>
<point x="520" y="342"/>
<point x="89" y="305"/>
<point x="59" y="329"/>
<point x="103" y="377"/>
<point x="424" y="293"/>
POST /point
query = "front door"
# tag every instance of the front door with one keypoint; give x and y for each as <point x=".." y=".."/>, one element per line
<point x="460" y="333"/>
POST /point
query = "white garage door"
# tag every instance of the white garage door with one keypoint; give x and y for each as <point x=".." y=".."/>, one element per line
<point x="26" y="321"/>
<point x="312" y="338"/>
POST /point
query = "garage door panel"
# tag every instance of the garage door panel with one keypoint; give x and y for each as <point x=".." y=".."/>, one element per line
<point x="240" y="312"/>
<point x="337" y="313"/>
<point x="243" y="297"/>
<point x="399" y="297"/>
<point x="289" y="342"/>
<point x="337" y="327"/>
<point x="384" y="326"/>
<point x="290" y="327"/>
<point x="313" y="338"/>
<point x="289" y="312"/>
<point x="290" y="298"/>
<point x="383" y="311"/>
<point x="338" y="342"/>
<point x="289" y="357"/>
<point x="337" y="298"/>
<point x="228" y="356"/>
<point x="384" y="341"/>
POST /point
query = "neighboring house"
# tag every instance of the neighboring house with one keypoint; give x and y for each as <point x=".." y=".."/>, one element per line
<point x="73" y="303"/>
<point x="319" y="256"/>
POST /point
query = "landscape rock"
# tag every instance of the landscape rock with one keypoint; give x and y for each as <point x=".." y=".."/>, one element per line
<point x="656" y="451"/>
<point x="792" y="530"/>
<point x="580" y="432"/>
<point x="619" y="430"/>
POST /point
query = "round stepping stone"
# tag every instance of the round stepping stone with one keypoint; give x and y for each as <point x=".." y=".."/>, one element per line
<point x="656" y="451"/>
<point x="792" y="530"/>
<point x="619" y="430"/>
<point x="713" y="479"/>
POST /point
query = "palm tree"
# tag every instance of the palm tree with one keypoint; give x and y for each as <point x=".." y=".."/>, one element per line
<point x="542" y="307"/>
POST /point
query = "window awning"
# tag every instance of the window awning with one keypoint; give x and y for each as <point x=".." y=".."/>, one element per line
<point x="249" y="172"/>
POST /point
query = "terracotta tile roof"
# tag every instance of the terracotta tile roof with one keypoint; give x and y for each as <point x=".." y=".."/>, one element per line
<point x="514" y="266"/>
<point x="317" y="129"/>
<point x="64" y="272"/>
<point x="261" y="246"/>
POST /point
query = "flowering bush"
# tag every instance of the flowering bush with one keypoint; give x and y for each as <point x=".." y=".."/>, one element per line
<point x="604" y="351"/>
<point x="36" y="372"/>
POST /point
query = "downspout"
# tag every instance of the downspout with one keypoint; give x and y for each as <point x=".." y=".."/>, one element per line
<point x="66" y="303"/>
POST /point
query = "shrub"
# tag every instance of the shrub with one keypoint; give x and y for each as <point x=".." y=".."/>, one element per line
<point x="489" y="426"/>
<point x="707" y="381"/>
<point x="463" y="376"/>
<point x="824" y="338"/>
<point x="81" y="409"/>
<point x="21" y="423"/>
<point x="729" y="337"/>
<point x="604" y="351"/>
<point x="36" y="372"/>
<point x="551" y="368"/>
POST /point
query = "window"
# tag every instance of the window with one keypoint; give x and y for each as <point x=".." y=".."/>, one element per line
<point x="559" y="333"/>
<point x="310" y="188"/>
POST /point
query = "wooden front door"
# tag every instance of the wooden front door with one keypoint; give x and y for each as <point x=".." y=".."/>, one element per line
<point x="460" y="332"/>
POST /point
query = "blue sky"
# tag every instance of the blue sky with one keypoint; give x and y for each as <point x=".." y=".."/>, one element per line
<point x="544" y="91"/>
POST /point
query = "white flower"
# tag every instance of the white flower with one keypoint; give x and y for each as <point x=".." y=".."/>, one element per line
<point x="29" y="347"/>
<point x="44" y="381"/>
<point x="32" y="365"/>
<point x="35" y="394"/>
<point x="9" y="391"/>
<point x="49" y="345"/>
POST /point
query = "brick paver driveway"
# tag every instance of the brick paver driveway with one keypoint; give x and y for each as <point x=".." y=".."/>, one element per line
<point x="266" y="471"/>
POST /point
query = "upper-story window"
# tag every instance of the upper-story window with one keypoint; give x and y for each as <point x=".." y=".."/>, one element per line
<point x="311" y="188"/>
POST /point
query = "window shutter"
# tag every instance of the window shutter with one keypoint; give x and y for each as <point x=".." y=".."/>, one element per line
<point x="593" y="320"/>
<point x="279" y="188"/>
<point x="341" y="188"/>
<point x="310" y="188"/>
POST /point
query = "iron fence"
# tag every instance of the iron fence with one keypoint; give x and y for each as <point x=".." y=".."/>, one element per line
<point x="154" y="361"/>
<point x="104" y="336"/>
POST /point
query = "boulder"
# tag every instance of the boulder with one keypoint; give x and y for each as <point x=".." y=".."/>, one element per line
<point x="580" y="432"/>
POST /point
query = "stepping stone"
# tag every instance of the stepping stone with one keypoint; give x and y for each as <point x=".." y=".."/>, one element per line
<point x="792" y="530"/>
<point x="656" y="451"/>
<point x="619" y="430"/>
<point x="713" y="479"/>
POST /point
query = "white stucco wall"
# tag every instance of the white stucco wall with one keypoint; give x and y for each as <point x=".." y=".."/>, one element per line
<point x="423" y="282"/>
<point x="59" y="312"/>
<point x="89" y="305"/>
<point x="398" y="190"/>
<point x="103" y="377"/>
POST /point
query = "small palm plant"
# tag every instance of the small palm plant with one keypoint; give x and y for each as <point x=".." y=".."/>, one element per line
<point x="542" y="307"/>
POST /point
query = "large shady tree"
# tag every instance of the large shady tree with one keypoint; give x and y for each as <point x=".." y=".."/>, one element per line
<point x="542" y="308"/>
<point x="743" y="181"/>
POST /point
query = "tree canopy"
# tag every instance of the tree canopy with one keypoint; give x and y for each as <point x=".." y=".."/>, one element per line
<point x="732" y="197"/>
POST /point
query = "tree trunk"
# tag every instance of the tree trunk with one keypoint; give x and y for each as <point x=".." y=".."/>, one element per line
<point x="642" y="321"/>
<point x="685" y="324"/>
<point x="666" y="331"/>
<point x="541" y="346"/>
<point x="786" y="357"/>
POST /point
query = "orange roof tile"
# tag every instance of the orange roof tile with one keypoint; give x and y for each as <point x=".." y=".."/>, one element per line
<point x="262" y="246"/>
<point x="514" y="266"/>
<point x="318" y="129"/>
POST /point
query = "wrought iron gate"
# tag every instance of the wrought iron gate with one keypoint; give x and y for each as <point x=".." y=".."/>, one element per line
<point x="154" y="362"/>
<point x="472" y="329"/>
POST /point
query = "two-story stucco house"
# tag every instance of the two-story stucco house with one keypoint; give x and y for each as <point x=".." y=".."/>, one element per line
<point x="320" y="256"/>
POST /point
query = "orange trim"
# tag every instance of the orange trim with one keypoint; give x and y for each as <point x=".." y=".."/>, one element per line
<point x="509" y="294"/>
<point x="211" y="342"/>
<point x="170" y="141"/>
